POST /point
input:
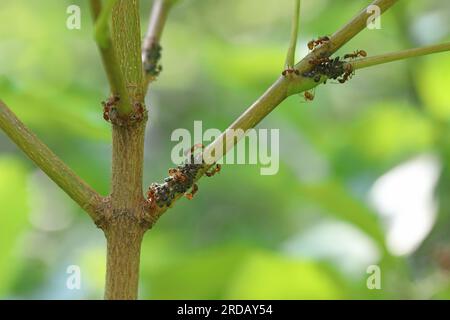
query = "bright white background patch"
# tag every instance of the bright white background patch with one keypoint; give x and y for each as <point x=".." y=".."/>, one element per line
<point x="404" y="197"/>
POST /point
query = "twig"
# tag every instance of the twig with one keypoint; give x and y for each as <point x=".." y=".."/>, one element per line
<point x="290" y="57"/>
<point x="101" y="17"/>
<point x="394" y="56"/>
<point x="126" y="37"/>
<point x="151" y="51"/>
<point x="102" y="35"/>
<point x="45" y="159"/>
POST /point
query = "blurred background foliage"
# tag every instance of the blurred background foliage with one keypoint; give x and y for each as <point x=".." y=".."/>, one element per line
<point x="364" y="169"/>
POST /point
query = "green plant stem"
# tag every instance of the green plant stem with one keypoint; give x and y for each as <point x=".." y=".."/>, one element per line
<point x="54" y="167"/>
<point x="126" y="37"/>
<point x="102" y="35"/>
<point x="123" y="226"/>
<point x="101" y="17"/>
<point x="157" y="21"/>
<point x="290" y="57"/>
<point x="400" y="55"/>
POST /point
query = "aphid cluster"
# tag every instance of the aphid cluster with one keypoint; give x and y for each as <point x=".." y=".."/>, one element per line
<point x="110" y="113"/>
<point x="324" y="66"/>
<point x="179" y="181"/>
<point x="152" y="66"/>
<point x="336" y="68"/>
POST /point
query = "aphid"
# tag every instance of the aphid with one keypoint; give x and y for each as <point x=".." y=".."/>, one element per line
<point x="215" y="170"/>
<point x="356" y="54"/>
<point x="194" y="190"/>
<point x="314" y="43"/>
<point x="290" y="70"/>
<point x="318" y="77"/>
<point x="308" y="96"/>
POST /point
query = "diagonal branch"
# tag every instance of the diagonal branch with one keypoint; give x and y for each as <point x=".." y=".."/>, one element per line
<point x="45" y="159"/>
<point x="278" y="92"/>
<point x="151" y="50"/>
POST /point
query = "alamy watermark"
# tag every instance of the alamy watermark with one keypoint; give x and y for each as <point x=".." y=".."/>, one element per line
<point x="74" y="19"/>
<point x="374" y="20"/>
<point x="73" y="281"/>
<point x="254" y="146"/>
<point x="374" y="279"/>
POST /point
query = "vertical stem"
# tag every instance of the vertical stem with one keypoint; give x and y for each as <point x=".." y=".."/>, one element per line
<point x="128" y="155"/>
<point x="123" y="229"/>
<point x="126" y="36"/>
<point x="123" y="254"/>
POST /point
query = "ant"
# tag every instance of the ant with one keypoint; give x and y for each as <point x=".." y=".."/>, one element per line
<point x="194" y="190"/>
<point x="290" y="70"/>
<point x="348" y="74"/>
<point x="308" y="96"/>
<point x="108" y="106"/>
<point x="214" y="171"/>
<point x="190" y="152"/>
<point x="177" y="175"/>
<point x="318" y="61"/>
<point x="314" y="43"/>
<point x="356" y="54"/>
<point x="138" y="113"/>
<point x="151" y="196"/>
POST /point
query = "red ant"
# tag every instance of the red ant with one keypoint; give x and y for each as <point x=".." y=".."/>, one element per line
<point x="214" y="170"/>
<point x="318" y="61"/>
<point x="349" y="72"/>
<point x="151" y="196"/>
<point x="108" y="105"/>
<point x="194" y="190"/>
<point x="177" y="175"/>
<point x="356" y="54"/>
<point x="314" y="43"/>
<point x="290" y="70"/>
<point x="138" y="113"/>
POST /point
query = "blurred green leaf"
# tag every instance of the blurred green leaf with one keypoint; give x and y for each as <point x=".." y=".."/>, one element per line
<point x="269" y="276"/>
<point x="337" y="201"/>
<point x="13" y="195"/>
